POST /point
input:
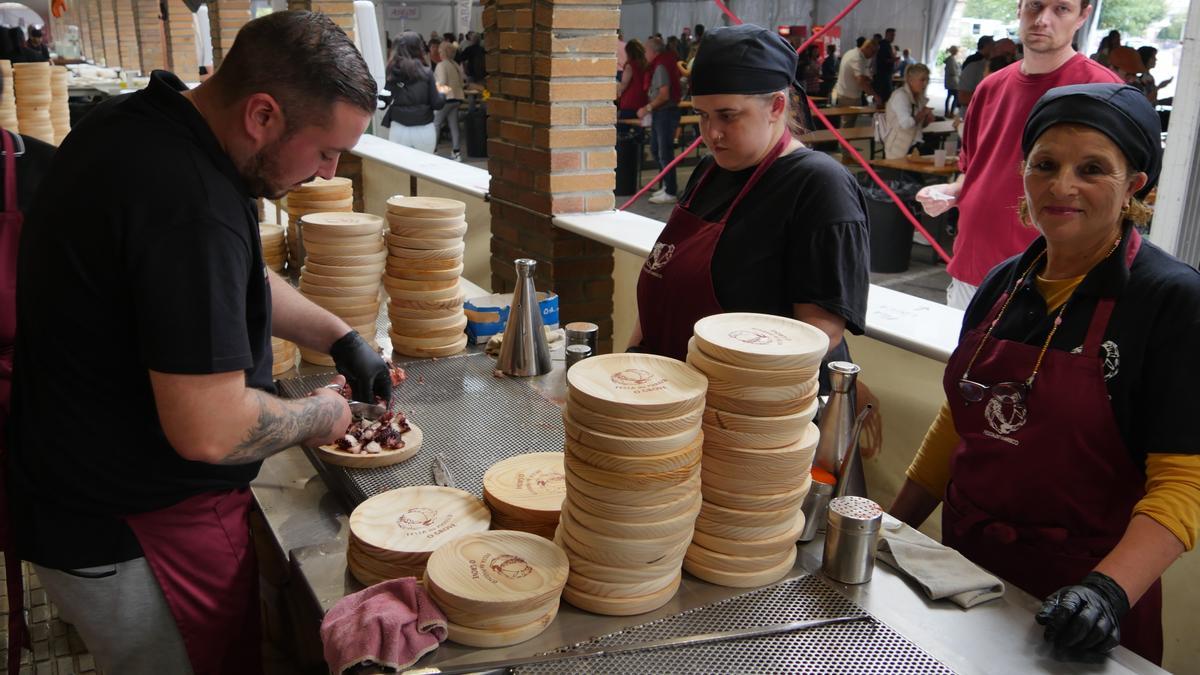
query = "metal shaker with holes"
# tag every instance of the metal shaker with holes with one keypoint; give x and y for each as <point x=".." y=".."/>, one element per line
<point x="851" y="535"/>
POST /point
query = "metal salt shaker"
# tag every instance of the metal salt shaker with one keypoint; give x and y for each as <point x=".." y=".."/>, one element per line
<point x="577" y="353"/>
<point x="583" y="333"/>
<point x="850" y="539"/>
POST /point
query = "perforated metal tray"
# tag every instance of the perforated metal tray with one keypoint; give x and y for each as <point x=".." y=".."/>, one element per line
<point x="474" y="418"/>
<point x="864" y="647"/>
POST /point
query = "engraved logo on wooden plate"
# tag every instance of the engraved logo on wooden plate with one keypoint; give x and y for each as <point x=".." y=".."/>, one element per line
<point x="638" y="381"/>
<point x="759" y="336"/>
<point x="422" y="520"/>
<point x="541" y="482"/>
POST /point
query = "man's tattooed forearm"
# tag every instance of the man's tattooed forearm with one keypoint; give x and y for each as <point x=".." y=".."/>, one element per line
<point x="281" y="426"/>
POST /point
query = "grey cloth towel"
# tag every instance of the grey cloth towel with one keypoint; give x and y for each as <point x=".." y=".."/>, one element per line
<point x="940" y="570"/>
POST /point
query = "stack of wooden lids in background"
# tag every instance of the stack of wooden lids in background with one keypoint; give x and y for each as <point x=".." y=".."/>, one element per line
<point x="8" y="100"/>
<point x="526" y="492"/>
<point x="393" y="533"/>
<point x="632" y="463"/>
<point x="497" y="588"/>
<point x="31" y="84"/>
<point x="345" y="258"/>
<point x="60" y="112"/>
<point x="274" y="247"/>
<point x="424" y="264"/>
<point x="284" y="355"/>
<point x="759" y="442"/>
<point x="316" y="196"/>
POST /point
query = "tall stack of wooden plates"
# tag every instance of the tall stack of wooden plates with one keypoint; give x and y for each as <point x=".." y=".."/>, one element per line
<point x="526" y="492"/>
<point x="335" y="195"/>
<point x="8" y="100"/>
<point x="632" y="466"/>
<point x="31" y="84"/>
<point x="393" y="534"/>
<point x="60" y="113"/>
<point x="759" y="442"/>
<point x="274" y="246"/>
<point x="424" y="263"/>
<point x="345" y="257"/>
<point x="283" y="354"/>
<point x="497" y="588"/>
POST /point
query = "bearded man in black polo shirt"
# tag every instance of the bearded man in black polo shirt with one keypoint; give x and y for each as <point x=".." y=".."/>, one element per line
<point x="143" y="396"/>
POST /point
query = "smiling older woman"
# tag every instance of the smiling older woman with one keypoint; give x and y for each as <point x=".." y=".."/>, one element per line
<point x="1063" y="454"/>
<point x="765" y="225"/>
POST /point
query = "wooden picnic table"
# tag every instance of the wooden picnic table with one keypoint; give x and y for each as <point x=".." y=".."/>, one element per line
<point x="839" y="111"/>
<point x="923" y="165"/>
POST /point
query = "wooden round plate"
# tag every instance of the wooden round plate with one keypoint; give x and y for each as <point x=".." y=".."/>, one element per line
<point x="403" y="272"/>
<point x="784" y="408"/>
<point x="719" y="370"/>
<point x="747" y="579"/>
<point x="298" y="207"/>
<point x="637" y="386"/>
<point x="636" y="464"/>
<point x="722" y="514"/>
<point x="453" y="290"/>
<point x="425" y="207"/>
<point x="412" y="444"/>
<point x="323" y="185"/>
<point x="746" y="532"/>
<point x="450" y="253"/>
<point x="618" y="574"/>
<point x="618" y="480"/>
<point x="723" y="562"/>
<point x="451" y="232"/>
<point x="498" y="571"/>
<point x="347" y="305"/>
<point x="309" y="287"/>
<point x="375" y="269"/>
<point x="621" y="606"/>
<point x="748" y="502"/>
<point x="455" y="320"/>
<point x="761" y="341"/>
<point x="402" y="314"/>
<point x="415" y="520"/>
<point x="335" y="239"/>
<point x="633" y="446"/>
<point x="761" y="547"/>
<point x="449" y="349"/>
<point x="341" y="224"/>
<point x="323" y="280"/>
<point x="651" y="529"/>
<point x="635" y="428"/>
<point x="492" y="638"/>
<point x="772" y="486"/>
<point x="397" y="241"/>
<point x="452" y="303"/>
<point x="405" y="331"/>
<point x="630" y="495"/>
<point x="752" y="424"/>
<point x="532" y="485"/>
<point x="421" y="264"/>
<point x="348" y="260"/>
<point x="317" y="249"/>
<point x="415" y="285"/>
<point x="632" y="514"/>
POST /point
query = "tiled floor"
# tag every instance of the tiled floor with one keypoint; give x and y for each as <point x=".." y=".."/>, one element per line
<point x="57" y="648"/>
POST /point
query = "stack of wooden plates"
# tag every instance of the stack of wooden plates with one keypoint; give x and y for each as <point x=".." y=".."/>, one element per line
<point x="8" y="100"/>
<point x="526" y="492"/>
<point x="497" y="588"/>
<point x="345" y="257"/>
<point x="60" y="113"/>
<point x="393" y="534"/>
<point x="316" y="196"/>
<point x="424" y="263"/>
<point x="759" y="442"/>
<point x="274" y="247"/>
<point x="31" y="84"/>
<point x="633" y="479"/>
<point x="283" y="354"/>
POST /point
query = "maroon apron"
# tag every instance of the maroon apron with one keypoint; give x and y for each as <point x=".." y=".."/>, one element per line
<point x="1007" y="506"/>
<point x="201" y="555"/>
<point x="10" y="235"/>
<point x="675" y="289"/>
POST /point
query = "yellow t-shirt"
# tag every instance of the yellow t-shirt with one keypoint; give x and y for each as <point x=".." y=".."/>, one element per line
<point x="1172" y="480"/>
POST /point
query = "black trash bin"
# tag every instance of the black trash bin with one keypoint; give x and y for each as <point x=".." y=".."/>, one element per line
<point x="629" y="159"/>
<point x="475" y="122"/>
<point x="891" y="233"/>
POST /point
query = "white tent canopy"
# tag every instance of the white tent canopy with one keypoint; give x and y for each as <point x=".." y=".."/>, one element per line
<point x="919" y="24"/>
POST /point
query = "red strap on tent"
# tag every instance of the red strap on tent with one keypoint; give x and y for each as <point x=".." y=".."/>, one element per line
<point x="725" y="10"/>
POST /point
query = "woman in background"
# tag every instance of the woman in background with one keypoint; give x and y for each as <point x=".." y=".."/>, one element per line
<point x="449" y="77"/>
<point x="415" y="95"/>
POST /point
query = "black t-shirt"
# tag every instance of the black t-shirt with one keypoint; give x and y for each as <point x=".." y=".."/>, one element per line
<point x="800" y="236"/>
<point x="1151" y="347"/>
<point x="141" y="253"/>
<point x="31" y="168"/>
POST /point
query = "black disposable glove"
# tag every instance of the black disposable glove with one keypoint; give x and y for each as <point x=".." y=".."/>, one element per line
<point x="1087" y="616"/>
<point x="364" y="370"/>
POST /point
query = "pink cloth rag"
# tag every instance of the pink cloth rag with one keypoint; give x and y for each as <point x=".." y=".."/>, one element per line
<point x="389" y="624"/>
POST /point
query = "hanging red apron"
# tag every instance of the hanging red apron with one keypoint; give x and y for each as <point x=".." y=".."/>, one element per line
<point x="201" y="555"/>
<point x="1008" y="507"/>
<point x="675" y="288"/>
<point x="10" y="235"/>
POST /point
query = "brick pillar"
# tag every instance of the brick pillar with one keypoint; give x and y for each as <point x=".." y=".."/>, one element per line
<point x="181" y="41"/>
<point x="550" y="145"/>
<point x="341" y="11"/>
<point x="150" y="36"/>
<point x="226" y="18"/>
<point x="127" y="36"/>
<point x="112" y="43"/>
<point x="96" y="28"/>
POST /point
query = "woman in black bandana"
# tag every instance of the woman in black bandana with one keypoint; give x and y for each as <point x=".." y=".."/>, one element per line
<point x="765" y="224"/>
<point x="1064" y="456"/>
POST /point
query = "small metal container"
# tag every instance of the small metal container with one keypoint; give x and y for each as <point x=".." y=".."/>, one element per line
<point x="850" y="539"/>
<point x="814" y="507"/>
<point x="583" y="333"/>
<point x="577" y="353"/>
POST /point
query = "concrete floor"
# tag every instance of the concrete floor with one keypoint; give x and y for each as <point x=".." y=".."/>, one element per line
<point x="57" y="648"/>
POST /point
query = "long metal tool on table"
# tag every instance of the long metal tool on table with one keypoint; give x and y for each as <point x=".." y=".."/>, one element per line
<point x="684" y="641"/>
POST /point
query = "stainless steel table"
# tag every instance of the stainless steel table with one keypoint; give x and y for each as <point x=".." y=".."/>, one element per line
<point x="308" y="526"/>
